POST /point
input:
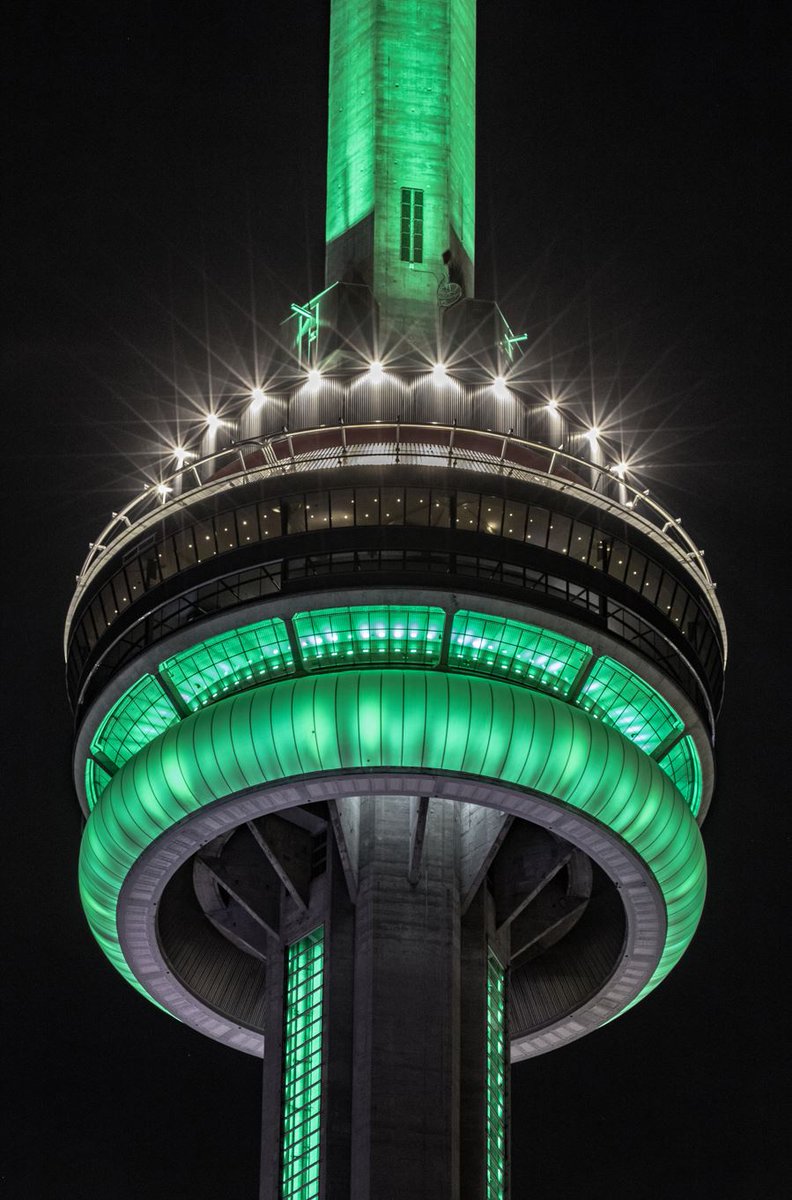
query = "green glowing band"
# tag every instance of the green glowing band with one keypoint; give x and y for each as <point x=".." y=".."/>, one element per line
<point x="381" y="719"/>
<point x="497" y="1067"/>
<point x="302" y="1068"/>
<point x="410" y="635"/>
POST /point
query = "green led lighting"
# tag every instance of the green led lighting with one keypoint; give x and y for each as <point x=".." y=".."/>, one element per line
<point x="230" y="662"/>
<point x="302" y="1068"/>
<point x="682" y="766"/>
<point x="335" y="637"/>
<point x="96" y="780"/>
<point x="380" y="719"/>
<point x="497" y="1066"/>
<point x="512" y="650"/>
<point x="142" y="713"/>
<point x="617" y="696"/>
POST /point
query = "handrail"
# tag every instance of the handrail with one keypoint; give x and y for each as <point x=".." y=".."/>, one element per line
<point x="200" y="477"/>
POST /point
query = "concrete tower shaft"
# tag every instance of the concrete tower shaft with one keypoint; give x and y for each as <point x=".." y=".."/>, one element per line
<point x="401" y="153"/>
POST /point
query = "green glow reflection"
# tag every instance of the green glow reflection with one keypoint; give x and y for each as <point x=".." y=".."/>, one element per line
<point x="336" y="637"/>
<point x="229" y="662"/>
<point x="617" y="696"/>
<point x="302" y="1068"/>
<point x="96" y="780"/>
<point x="513" y="650"/>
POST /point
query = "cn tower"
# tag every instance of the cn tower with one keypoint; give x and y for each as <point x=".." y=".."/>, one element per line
<point x="395" y="699"/>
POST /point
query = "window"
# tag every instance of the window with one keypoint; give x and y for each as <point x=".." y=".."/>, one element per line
<point x="411" y="225"/>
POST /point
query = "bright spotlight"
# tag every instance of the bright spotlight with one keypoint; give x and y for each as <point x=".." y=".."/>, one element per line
<point x="439" y="373"/>
<point x="163" y="491"/>
<point x="593" y="435"/>
<point x="376" y="373"/>
<point x="213" y="422"/>
<point x="257" y="398"/>
<point x="552" y="404"/>
<point x="619" y="469"/>
<point x="314" y="377"/>
<point x="499" y="387"/>
<point x="181" y="455"/>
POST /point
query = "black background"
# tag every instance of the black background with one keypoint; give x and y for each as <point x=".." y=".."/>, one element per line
<point x="630" y="220"/>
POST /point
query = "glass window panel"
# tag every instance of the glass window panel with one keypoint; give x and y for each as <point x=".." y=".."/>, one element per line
<point x="317" y="512"/>
<point x="558" y="533"/>
<point x="618" y="697"/>
<point x="269" y="514"/>
<point x="367" y="506"/>
<point x="683" y="767"/>
<point x="225" y="532"/>
<point x="513" y="650"/>
<point x="417" y="504"/>
<point x="651" y="581"/>
<point x="295" y="514"/>
<point x="666" y="594"/>
<point x="185" y="547"/>
<point x="392" y="506"/>
<point x="536" y="530"/>
<point x="345" y="637"/>
<point x="166" y="557"/>
<point x="679" y="606"/>
<point x="108" y="604"/>
<point x="121" y="591"/>
<point x="580" y="544"/>
<point x="514" y="518"/>
<point x="98" y="616"/>
<point x="497" y="1076"/>
<point x="617" y="563"/>
<point x="134" y="576"/>
<point x="491" y="514"/>
<point x="247" y="524"/>
<point x="230" y="662"/>
<point x="140" y="715"/>
<point x="636" y="568"/>
<point x="440" y="511"/>
<point x="342" y="507"/>
<point x="205" y="540"/>
<point x="467" y="512"/>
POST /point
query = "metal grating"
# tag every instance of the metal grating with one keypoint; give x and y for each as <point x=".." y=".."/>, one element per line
<point x="683" y="768"/>
<point x="141" y="714"/>
<point x="302" y="1068"/>
<point x="513" y="650"/>
<point x="616" y="696"/>
<point x="363" y="635"/>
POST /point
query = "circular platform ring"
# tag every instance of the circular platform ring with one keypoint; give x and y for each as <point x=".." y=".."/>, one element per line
<point x="393" y="732"/>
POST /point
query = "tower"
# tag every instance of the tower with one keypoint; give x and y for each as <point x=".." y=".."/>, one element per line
<point x="394" y="720"/>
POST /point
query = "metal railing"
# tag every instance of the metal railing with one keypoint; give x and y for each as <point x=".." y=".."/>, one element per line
<point x="404" y="443"/>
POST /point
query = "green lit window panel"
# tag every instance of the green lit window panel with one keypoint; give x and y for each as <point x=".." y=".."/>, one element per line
<point x="617" y="696"/>
<point x="229" y="662"/>
<point x="142" y="713"/>
<point x="683" y="768"/>
<point x="497" y="1066"/>
<point x="512" y="650"/>
<point x="96" y="780"/>
<point x="337" y="637"/>
<point x="412" y="204"/>
<point x="302" y="1068"/>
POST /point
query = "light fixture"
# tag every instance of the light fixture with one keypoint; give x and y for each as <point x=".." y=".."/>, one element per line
<point x="552" y="404"/>
<point x="163" y="491"/>
<point x="439" y="373"/>
<point x="181" y="455"/>
<point x="257" y="398"/>
<point x="619" y="469"/>
<point x="376" y="373"/>
<point x="593" y="435"/>
<point x="213" y="422"/>
<point x="499" y="387"/>
<point x="314" y="377"/>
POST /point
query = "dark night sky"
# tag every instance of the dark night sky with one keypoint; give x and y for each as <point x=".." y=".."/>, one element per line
<point x="628" y="196"/>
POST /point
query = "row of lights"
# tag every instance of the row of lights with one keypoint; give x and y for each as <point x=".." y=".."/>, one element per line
<point x="376" y="374"/>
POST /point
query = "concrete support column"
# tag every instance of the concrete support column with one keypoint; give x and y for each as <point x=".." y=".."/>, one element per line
<point x="406" y="1086"/>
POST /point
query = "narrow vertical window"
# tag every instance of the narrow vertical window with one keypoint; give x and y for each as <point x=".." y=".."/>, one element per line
<point x="411" y="225"/>
<point x="496" y="1080"/>
<point x="302" y="1068"/>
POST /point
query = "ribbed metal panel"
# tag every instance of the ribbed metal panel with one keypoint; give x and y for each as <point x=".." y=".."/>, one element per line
<point x="440" y="402"/>
<point x="487" y="409"/>
<point x="388" y="400"/>
<point x="269" y="418"/>
<point x="316" y="404"/>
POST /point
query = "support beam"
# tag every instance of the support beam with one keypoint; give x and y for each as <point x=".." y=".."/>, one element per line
<point x="528" y="859"/>
<point x="289" y="851"/>
<point x="345" y="819"/>
<point x="482" y="832"/>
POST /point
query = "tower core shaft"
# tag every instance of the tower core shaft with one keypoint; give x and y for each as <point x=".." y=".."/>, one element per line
<point x="401" y="153"/>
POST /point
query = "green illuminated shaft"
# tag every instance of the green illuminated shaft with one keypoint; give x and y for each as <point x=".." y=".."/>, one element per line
<point x="401" y="152"/>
